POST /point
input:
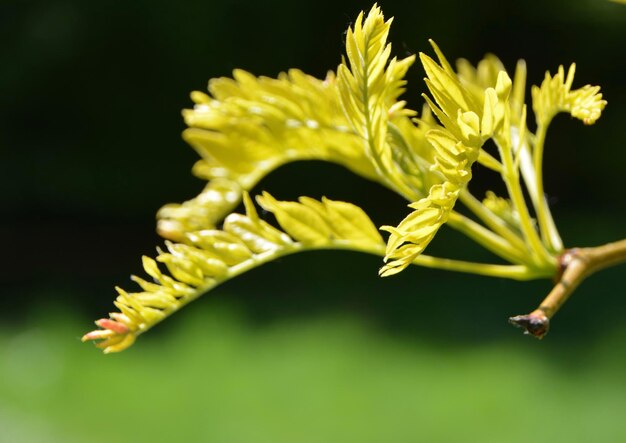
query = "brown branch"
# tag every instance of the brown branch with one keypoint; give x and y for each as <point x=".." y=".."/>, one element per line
<point x="575" y="265"/>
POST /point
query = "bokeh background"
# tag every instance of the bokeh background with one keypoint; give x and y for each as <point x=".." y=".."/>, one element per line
<point x="315" y="348"/>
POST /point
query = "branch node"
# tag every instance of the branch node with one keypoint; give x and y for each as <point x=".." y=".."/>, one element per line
<point x="536" y="323"/>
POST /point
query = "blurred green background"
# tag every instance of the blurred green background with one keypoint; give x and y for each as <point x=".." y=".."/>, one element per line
<point x="315" y="348"/>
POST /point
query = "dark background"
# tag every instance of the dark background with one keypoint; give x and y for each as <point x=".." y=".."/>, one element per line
<point x="90" y="101"/>
<point x="90" y="124"/>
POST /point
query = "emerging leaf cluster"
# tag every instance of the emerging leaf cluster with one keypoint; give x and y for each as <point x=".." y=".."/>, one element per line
<point x="247" y="126"/>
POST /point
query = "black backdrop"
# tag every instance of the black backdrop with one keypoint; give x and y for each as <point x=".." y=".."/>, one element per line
<point x="90" y="100"/>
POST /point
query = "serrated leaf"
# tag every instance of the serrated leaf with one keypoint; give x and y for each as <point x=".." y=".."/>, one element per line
<point x="350" y="222"/>
<point x="301" y="222"/>
<point x="446" y="89"/>
<point x="409" y="239"/>
<point x="250" y="234"/>
<point x="369" y="86"/>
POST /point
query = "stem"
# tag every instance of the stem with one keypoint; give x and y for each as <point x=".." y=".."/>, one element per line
<point x="515" y="272"/>
<point x="518" y="272"/>
<point x="549" y="234"/>
<point x="576" y="264"/>
<point x="529" y="174"/>
<point x="493" y="222"/>
<point x="486" y="238"/>
<point x="510" y="176"/>
<point x="488" y="161"/>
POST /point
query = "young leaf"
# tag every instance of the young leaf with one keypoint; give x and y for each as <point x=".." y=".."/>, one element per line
<point x="555" y="95"/>
<point x="368" y="89"/>
<point x="209" y="257"/>
<point x="456" y="148"/>
<point x="247" y="127"/>
<point x="350" y="222"/>
<point x="301" y="222"/>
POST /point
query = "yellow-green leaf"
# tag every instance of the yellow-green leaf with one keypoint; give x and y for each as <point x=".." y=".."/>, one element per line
<point x="302" y="223"/>
<point x="350" y="222"/>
